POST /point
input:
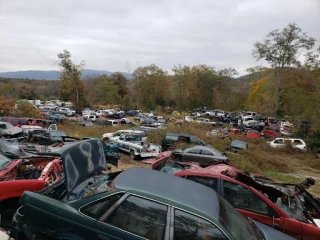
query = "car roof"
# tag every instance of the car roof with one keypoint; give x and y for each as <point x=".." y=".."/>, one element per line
<point x="172" y="188"/>
<point x="180" y="134"/>
<point x="203" y="147"/>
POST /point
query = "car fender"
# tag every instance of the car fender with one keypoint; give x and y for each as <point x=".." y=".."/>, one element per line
<point x="15" y="188"/>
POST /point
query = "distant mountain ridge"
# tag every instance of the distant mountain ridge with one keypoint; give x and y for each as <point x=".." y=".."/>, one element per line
<point x="54" y="75"/>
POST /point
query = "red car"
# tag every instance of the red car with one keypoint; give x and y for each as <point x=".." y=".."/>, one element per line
<point x="235" y="131"/>
<point x="256" y="205"/>
<point x="25" y="174"/>
<point x="254" y="195"/>
<point x="271" y="131"/>
<point x="253" y="133"/>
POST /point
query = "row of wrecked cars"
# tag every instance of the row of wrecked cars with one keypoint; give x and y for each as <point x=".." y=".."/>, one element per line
<point x="70" y="196"/>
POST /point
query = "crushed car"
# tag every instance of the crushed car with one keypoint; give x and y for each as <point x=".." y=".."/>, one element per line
<point x="236" y="146"/>
<point x="48" y="137"/>
<point x="7" y="130"/>
<point x="29" y="173"/>
<point x="135" y="145"/>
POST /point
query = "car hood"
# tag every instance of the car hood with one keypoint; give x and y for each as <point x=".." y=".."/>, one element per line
<point x="270" y="233"/>
<point x="13" y="130"/>
<point x="11" y="149"/>
<point x="82" y="160"/>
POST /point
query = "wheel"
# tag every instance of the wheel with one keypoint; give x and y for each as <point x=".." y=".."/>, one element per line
<point x="132" y="155"/>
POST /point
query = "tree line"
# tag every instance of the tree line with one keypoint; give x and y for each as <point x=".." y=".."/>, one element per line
<point x="288" y="88"/>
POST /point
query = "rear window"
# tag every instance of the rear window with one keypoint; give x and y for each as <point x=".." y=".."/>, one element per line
<point x="14" y="121"/>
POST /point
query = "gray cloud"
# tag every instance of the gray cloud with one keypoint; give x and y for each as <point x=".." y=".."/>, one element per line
<point x="107" y="33"/>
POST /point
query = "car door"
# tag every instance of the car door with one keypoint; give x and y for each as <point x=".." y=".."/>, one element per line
<point x="191" y="155"/>
<point x="251" y="205"/>
<point x="207" y="157"/>
<point x="133" y="217"/>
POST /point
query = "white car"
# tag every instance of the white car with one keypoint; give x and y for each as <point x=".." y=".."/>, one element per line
<point x="136" y="147"/>
<point x="107" y="136"/>
<point x="248" y="114"/>
<point x="115" y="139"/>
<point x="100" y="113"/>
<point x="296" y="143"/>
<point x="248" y="121"/>
<point x="286" y="128"/>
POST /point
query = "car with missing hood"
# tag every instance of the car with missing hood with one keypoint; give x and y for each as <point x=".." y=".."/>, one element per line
<point x="88" y="204"/>
<point x="7" y="130"/>
<point x="24" y="174"/>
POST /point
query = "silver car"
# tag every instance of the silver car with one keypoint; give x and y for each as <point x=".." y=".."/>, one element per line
<point x="201" y="154"/>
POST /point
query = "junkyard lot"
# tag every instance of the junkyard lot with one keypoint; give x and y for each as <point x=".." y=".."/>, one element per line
<point x="284" y="165"/>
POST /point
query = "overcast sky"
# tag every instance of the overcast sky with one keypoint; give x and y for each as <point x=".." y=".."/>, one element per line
<point x="107" y="33"/>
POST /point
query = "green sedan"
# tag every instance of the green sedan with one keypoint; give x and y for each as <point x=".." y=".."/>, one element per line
<point x="135" y="204"/>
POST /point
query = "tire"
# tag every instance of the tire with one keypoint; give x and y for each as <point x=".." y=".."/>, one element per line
<point x="132" y="155"/>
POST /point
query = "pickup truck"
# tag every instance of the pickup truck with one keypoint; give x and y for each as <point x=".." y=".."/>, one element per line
<point x="136" y="147"/>
<point x="208" y="121"/>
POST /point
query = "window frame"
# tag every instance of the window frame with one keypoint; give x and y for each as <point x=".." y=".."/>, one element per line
<point x="122" y="199"/>
<point x="193" y="214"/>
<point x="97" y="200"/>
<point x="255" y="212"/>
<point x="190" y="151"/>
<point x="205" y="152"/>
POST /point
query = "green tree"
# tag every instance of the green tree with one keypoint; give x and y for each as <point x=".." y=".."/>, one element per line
<point x="106" y="91"/>
<point x="151" y="87"/>
<point x="281" y="49"/>
<point x="122" y="82"/>
<point x="71" y="86"/>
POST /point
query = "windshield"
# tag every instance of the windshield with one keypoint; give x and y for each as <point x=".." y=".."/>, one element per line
<point x="172" y="168"/>
<point x="4" y="162"/>
<point x="236" y="224"/>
